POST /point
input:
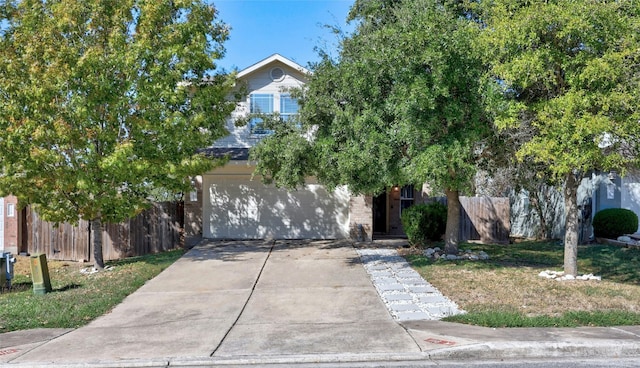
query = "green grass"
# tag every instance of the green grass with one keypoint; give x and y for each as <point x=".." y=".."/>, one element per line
<point x="611" y="262"/>
<point x="505" y="290"/>
<point x="505" y="318"/>
<point x="76" y="298"/>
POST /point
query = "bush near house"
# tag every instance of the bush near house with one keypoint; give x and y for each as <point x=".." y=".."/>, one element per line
<point x="424" y="222"/>
<point x="614" y="222"/>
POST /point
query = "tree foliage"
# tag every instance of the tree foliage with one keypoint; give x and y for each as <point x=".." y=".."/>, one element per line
<point x="502" y="173"/>
<point x="103" y="102"/>
<point x="401" y="105"/>
<point x="570" y="71"/>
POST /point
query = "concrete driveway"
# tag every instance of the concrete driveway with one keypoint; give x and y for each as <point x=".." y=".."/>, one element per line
<point x="241" y="299"/>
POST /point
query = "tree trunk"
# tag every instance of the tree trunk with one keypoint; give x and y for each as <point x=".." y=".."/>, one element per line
<point x="571" y="225"/>
<point x="453" y="222"/>
<point x="96" y="238"/>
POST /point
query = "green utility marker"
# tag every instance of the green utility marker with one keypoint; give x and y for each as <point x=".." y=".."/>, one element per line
<point x="40" y="274"/>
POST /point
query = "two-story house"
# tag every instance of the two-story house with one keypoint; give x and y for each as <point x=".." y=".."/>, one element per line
<point x="230" y="203"/>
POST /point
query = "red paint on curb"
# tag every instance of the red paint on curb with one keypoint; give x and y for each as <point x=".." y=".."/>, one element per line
<point x="440" y="342"/>
<point x="8" y="351"/>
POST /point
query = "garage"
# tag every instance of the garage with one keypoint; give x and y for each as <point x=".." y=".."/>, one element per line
<point x="237" y="206"/>
<point x="228" y="203"/>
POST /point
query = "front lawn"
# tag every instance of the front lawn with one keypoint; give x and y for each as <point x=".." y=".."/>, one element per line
<point x="506" y="291"/>
<point x="76" y="298"/>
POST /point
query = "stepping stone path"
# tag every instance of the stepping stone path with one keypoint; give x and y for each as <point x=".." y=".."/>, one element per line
<point x="407" y="295"/>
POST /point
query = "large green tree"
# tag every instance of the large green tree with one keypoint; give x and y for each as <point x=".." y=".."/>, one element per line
<point x="570" y="71"/>
<point x="104" y="101"/>
<point x="400" y="105"/>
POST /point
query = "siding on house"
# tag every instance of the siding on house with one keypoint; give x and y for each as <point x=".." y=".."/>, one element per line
<point x="609" y="192"/>
<point x="259" y="82"/>
<point x="624" y="190"/>
<point x="630" y="193"/>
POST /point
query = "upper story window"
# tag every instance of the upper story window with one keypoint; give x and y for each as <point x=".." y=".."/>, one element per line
<point x="259" y="103"/>
<point x="288" y="106"/>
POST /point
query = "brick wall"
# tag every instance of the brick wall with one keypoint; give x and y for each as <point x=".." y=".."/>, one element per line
<point x="11" y="224"/>
<point x="361" y="217"/>
<point x="193" y="215"/>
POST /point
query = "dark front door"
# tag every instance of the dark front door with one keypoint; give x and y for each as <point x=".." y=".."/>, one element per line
<point x="380" y="213"/>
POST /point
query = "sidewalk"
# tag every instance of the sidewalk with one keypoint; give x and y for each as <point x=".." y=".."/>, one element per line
<point x="247" y="303"/>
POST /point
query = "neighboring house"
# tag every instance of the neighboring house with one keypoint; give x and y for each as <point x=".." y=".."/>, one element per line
<point x="612" y="191"/>
<point x="10" y="231"/>
<point x="597" y="191"/>
<point x="230" y="203"/>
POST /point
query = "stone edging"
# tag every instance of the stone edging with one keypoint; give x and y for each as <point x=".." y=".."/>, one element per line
<point x="406" y="294"/>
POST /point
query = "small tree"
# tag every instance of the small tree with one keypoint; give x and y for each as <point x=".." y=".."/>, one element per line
<point x="104" y="101"/>
<point x="571" y="71"/>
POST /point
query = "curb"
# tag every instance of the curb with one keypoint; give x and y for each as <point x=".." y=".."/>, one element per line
<point x="483" y="351"/>
<point x="537" y="350"/>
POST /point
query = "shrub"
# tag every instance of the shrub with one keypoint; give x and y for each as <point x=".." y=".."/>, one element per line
<point x="423" y="222"/>
<point x="614" y="222"/>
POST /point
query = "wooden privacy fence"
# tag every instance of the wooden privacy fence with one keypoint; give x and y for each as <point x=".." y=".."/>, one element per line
<point x="484" y="219"/>
<point x="159" y="228"/>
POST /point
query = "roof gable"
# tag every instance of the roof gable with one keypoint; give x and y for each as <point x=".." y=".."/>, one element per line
<point x="272" y="59"/>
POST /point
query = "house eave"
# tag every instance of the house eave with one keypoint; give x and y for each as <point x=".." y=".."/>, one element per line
<point x="269" y="60"/>
<point x="234" y="154"/>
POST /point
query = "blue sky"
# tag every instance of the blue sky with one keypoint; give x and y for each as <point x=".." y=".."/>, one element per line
<point x="292" y="28"/>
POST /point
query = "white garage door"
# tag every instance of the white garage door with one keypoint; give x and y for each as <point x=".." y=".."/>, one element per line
<point x="236" y="207"/>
